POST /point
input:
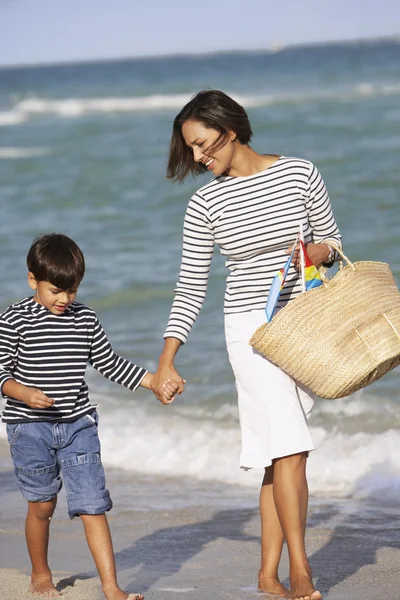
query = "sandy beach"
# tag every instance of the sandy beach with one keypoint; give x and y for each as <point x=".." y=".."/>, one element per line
<point x="208" y="551"/>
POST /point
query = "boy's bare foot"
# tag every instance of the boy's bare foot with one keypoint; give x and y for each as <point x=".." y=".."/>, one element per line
<point x="115" y="593"/>
<point x="302" y="588"/>
<point x="272" y="585"/>
<point x="43" y="587"/>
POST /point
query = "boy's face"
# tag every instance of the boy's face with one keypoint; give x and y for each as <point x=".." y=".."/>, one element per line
<point x="51" y="297"/>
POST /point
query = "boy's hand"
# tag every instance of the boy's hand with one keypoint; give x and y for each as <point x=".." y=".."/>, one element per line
<point x="31" y="396"/>
<point x="35" y="398"/>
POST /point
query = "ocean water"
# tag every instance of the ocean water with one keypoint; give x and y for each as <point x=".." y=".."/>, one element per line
<point x="83" y="151"/>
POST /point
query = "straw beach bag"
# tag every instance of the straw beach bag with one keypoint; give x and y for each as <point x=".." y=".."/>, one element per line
<point x="341" y="336"/>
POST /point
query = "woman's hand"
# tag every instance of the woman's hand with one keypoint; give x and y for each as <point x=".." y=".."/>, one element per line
<point x="166" y="383"/>
<point x="318" y="254"/>
<point x="170" y="389"/>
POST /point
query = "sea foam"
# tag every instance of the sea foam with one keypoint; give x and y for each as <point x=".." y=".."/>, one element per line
<point x="77" y="107"/>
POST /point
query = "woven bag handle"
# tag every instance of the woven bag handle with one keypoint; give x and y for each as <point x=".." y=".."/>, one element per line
<point x="323" y="270"/>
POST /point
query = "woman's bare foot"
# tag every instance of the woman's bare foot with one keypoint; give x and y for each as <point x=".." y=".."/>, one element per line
<point x="43" y="587"/>
<point x="115" y="593"/>
<point x="302" y="588"/>
<point x="272" y="585"/>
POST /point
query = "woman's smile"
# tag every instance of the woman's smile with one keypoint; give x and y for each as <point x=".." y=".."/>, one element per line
<point x="210" y="164"/>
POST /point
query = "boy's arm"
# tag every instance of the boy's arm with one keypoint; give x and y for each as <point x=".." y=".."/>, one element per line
<point x="9" y="340"/>
<point x="31" y="396"/>
<point x="114" y="367"/>
<point x="146" y="381"/>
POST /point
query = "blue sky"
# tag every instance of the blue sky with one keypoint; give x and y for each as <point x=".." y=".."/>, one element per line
<point x="40" y="31"/>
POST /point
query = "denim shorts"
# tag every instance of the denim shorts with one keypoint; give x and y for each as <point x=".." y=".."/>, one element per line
<point x="42" y="452"/>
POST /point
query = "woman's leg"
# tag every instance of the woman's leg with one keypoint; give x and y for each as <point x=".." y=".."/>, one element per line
<point x="37" y="526"/>
<point x="271" y="539"/>
<point x="290" y="491"/>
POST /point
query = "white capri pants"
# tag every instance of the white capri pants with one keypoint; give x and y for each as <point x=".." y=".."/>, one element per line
<point x="273" y="410"/>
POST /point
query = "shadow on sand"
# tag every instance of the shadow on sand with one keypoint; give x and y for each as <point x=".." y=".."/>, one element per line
<point x="359" y="530"/>
<point x="162" y="553"/>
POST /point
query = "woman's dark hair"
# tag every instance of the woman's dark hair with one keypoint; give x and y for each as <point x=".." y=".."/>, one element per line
<point x="56" y="258"/>
<point x="214" y="110"/>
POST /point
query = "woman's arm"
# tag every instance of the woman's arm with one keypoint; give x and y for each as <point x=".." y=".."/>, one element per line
<point x="166" y="370"/>
<point x="324" y="228"/>
<point x="197" y="251"/>
<point x="322" y="221"/>
<point x="320" y="212"/>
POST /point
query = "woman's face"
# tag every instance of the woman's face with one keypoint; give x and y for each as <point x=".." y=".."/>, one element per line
<point x="201" y="139"/>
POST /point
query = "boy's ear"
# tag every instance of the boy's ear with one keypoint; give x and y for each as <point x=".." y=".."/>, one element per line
<point x="32" y="281"/>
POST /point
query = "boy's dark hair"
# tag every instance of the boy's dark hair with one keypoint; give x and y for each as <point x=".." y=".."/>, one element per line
<point x="214" y="110"/>
<point x="56" y="258"/>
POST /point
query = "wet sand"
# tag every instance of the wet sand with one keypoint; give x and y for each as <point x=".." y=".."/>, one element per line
<point x="204" y="552"/>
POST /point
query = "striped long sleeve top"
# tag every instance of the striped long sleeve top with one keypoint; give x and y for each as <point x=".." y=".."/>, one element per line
<point x="51" y="352"/>
<point x="253" y="220"/>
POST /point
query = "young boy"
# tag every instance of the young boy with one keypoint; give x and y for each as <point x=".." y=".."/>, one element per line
<point x="46" y="342"/>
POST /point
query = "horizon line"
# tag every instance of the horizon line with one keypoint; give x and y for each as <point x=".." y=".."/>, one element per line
<point x="271" y="49"/>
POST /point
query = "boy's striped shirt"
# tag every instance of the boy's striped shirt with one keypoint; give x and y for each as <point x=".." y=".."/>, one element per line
<point x="253" y="220"/>
<point x="51" y="353"/>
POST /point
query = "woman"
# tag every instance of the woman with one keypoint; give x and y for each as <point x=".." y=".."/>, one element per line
<point x="252" y="210"/>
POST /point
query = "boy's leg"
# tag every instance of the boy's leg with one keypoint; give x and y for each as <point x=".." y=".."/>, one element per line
<point x="89" y="499"/>
<point x="37" y="526"/>
<point x="98" y="537"/>
<point x="34" y="457"/>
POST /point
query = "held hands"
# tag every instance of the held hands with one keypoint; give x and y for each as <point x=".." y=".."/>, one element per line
<point x="166" y="384"/>
<point x="169" y="389"/>
<point x="318" y="254"/>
